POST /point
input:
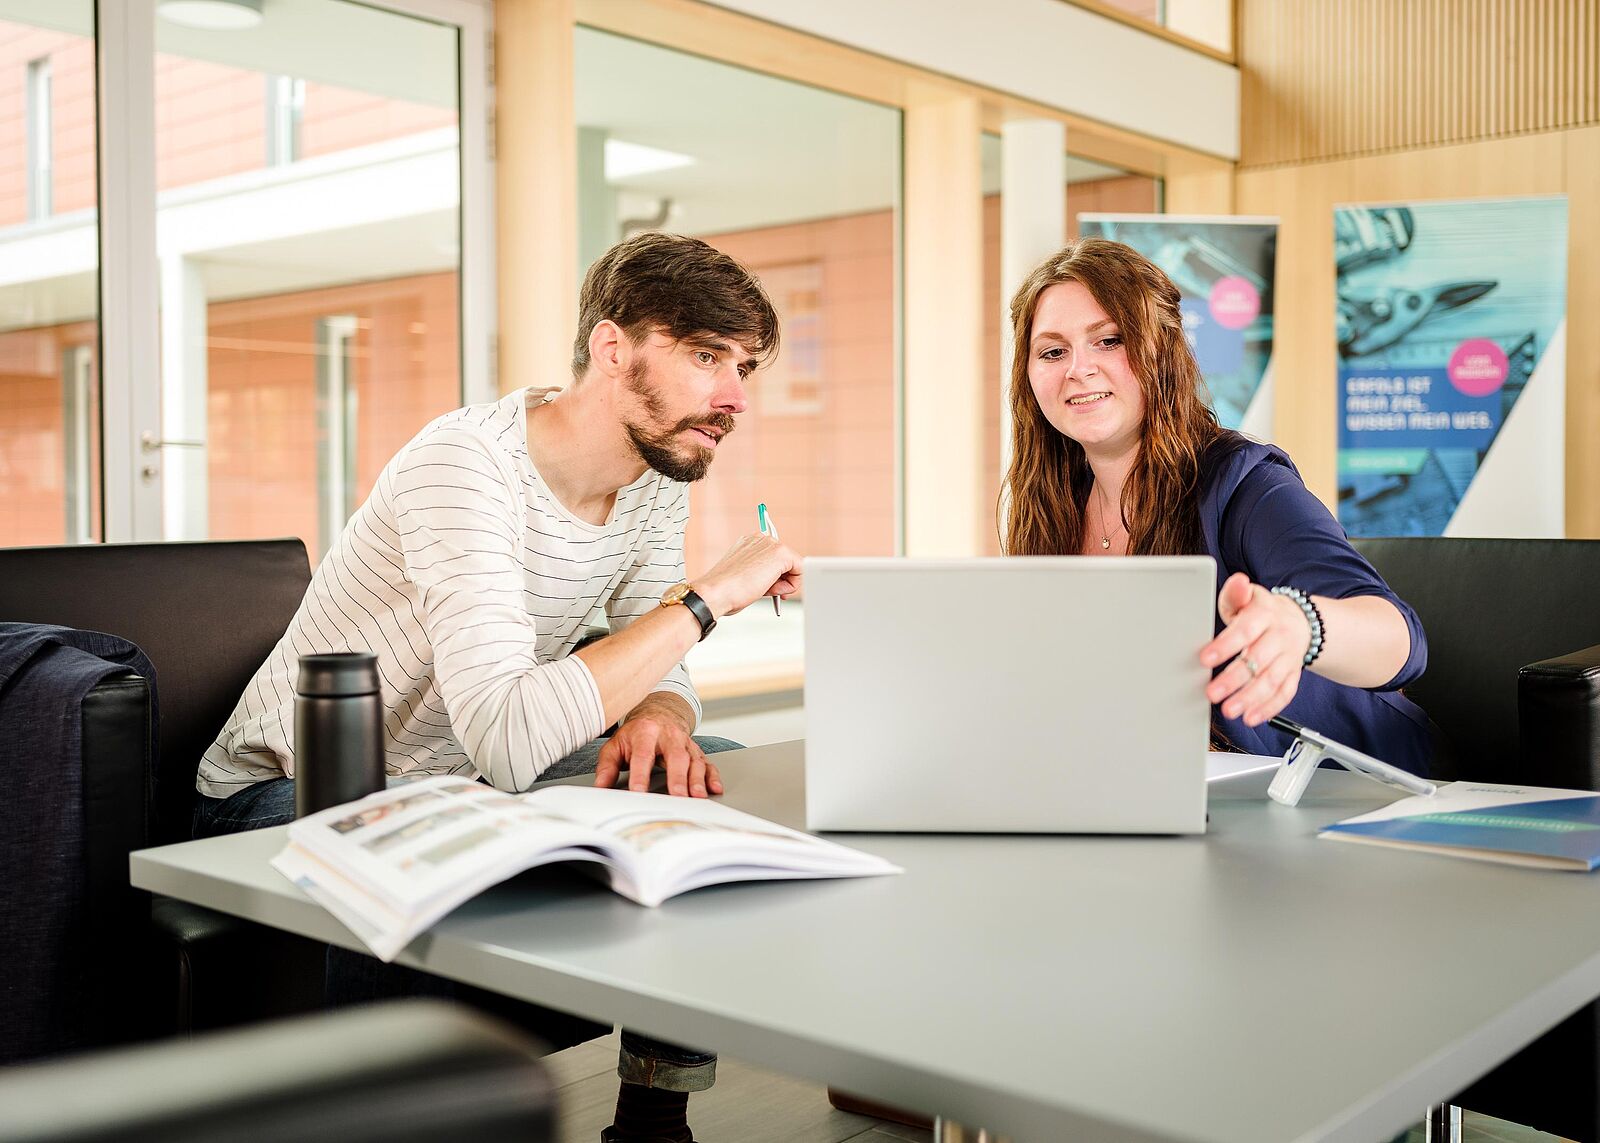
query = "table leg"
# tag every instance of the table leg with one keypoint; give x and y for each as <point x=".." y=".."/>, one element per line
<point x="948" y="1131"/>
<point x="1444" y="1123"/>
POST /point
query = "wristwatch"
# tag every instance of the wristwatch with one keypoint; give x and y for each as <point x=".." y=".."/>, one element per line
<point x="685" y="594"/>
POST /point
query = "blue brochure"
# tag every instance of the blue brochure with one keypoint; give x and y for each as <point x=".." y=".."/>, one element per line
<point x="1518" y="825"/>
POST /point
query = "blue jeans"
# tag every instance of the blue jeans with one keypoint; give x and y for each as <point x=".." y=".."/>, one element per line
<point x="355" y="978"/>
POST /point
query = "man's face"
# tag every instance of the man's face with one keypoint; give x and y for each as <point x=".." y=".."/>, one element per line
<point x="685" y="397"/>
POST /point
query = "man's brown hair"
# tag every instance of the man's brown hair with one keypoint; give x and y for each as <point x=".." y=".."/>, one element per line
<point x="679" y="286"/>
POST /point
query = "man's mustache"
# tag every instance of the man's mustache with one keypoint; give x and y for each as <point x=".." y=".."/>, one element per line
<point x="723" y="422"/>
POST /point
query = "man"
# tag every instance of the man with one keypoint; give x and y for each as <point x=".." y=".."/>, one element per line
<point x="487" y="543"/>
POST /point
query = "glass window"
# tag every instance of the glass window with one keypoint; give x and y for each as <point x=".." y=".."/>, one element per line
<point x="1209" y="22"/>
<point x="1091" y="188"/>
<point x="49" y="262"/>
<point x="802" y="186"/>
<point x="309" y="238"/>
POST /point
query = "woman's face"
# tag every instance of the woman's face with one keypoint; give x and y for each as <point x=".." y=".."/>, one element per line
<point x="1078" y="369"/>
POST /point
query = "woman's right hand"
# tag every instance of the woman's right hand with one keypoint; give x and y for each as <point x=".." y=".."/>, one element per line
<point x="754" y="567"/>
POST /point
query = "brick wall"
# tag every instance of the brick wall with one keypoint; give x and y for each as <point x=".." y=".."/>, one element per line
<point x="33" y="435"/>
<point x="261" y="394"/>
<point x="818" y="444"/>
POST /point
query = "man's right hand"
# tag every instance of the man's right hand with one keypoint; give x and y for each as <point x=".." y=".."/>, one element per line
<point x="754" y="567"/>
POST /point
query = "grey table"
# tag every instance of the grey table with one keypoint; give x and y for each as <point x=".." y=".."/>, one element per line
<point x="1251" y="984"/>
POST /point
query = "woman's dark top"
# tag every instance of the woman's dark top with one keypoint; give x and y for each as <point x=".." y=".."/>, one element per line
<point x="1257" y="517"/>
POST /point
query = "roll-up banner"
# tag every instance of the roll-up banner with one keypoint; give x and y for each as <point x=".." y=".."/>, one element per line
<point x="1224" y="268"/>
<point x="1451" y="320"/>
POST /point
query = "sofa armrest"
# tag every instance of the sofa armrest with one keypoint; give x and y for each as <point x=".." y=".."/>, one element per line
<point x="1558" y="716"/>
<point x="222" y="970"/>
<point x="403" y="1072"/>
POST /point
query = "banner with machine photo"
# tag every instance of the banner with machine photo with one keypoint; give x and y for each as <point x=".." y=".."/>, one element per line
<point x="1224" y="269"/>
<point x="1451" y="320"/>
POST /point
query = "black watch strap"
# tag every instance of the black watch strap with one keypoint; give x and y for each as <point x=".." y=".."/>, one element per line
<point x="698" y="608"/>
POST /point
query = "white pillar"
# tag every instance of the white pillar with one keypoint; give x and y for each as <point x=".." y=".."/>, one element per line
<point x="1033" y="225"/>
<point x="181" y="450"/>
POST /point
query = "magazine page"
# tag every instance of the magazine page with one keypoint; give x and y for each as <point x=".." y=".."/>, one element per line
<point x="408" y="844"/>
<point x="668" y="845"/>
<point x="392" y="864"/>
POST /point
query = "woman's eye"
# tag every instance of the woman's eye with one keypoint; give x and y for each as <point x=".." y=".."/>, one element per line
<point x="1110" y="342"/>
<point x="1051" y="354"/>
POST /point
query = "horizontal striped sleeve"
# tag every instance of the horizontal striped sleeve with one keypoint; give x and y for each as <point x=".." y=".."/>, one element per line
<point x="458" y="509"/>
<point x="657" y="565"/>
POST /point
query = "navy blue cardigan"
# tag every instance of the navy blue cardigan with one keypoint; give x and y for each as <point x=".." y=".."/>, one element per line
<point x="1256" y="516"/>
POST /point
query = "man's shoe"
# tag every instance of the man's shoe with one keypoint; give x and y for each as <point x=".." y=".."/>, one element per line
<point x="612" y="1135"/>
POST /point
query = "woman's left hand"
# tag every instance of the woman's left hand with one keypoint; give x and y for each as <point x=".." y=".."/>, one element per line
<point x="1267" y="637"/>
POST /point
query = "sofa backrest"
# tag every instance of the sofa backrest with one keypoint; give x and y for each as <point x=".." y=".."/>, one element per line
<point x="207" y="615"/>
<point x="1489" y="607"/>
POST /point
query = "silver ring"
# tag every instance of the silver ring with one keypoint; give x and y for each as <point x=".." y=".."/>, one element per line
<point x="1251" y="666"/>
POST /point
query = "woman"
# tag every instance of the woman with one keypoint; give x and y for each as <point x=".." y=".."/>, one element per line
<point x="1115" y="452"/>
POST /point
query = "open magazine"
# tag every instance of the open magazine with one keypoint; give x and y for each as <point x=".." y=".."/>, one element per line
<point x="393" y="863"/>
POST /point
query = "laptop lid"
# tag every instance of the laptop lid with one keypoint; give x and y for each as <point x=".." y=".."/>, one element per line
<point x="1037" y="694"/>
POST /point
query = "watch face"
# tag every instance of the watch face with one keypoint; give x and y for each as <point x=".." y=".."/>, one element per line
<point x="675" y="594"/>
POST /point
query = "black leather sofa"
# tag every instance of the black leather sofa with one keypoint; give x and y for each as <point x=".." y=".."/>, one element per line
<point x="206" y="615"/>
<point x="408" y="1072"/>
<point x="1513" y="683"/>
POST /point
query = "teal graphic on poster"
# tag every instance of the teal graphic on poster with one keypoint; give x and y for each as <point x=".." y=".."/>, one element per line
<point x="1451" y="330"/>
<point x="1223" y="268"/>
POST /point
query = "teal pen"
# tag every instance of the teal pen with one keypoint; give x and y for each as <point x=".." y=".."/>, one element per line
<point x="767" y="529"/>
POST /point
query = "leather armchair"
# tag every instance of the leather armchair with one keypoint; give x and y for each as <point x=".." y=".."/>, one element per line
<point x="407" y="1072"/>
<point x="206" y="615"/>
<point x="1513" y="683"/>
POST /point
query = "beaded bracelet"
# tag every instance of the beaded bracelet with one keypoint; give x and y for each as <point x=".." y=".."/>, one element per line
<point x="1313" y="617"/>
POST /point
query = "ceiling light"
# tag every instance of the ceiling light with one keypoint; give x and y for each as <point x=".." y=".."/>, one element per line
<point x="213" y="15"/>
<point x="624" y="160"/>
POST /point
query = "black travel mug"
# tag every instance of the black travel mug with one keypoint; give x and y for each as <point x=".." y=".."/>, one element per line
<point x="338" y="731"/>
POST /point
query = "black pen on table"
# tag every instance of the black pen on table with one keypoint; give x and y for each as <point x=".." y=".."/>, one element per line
<point x="764" y="518"/>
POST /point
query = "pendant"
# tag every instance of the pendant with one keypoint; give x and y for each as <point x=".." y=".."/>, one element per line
<point x="1105" y="541"/>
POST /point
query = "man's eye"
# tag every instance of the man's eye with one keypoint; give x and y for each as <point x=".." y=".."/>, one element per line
<point x="705" y="357"/>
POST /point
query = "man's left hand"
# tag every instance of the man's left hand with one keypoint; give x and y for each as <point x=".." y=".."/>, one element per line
<point x="647" y="739"/>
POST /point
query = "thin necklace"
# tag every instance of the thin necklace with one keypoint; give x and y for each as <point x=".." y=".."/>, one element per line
<point x="1105" y="513"/>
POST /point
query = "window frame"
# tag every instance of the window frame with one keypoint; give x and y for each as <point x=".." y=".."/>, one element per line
<point x="129" y="307"/>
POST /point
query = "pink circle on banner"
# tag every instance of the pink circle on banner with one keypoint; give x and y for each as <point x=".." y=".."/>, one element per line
<point x="1234" y="303"/>
<point x="1478" y="367"/>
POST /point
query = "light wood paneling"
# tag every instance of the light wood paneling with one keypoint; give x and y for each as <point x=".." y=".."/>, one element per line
<point x="943" y="327"/>
<point x="1305" y="358"/>
<point x="1583" y="332"/>
<point x="1326" y="79"/>
<point x="731" y="37"/>
<point x="536" y="213"/>
<point x="1198" y="186"/>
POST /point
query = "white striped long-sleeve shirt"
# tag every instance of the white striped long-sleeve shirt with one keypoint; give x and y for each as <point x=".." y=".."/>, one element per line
<point x="471" y="584"/>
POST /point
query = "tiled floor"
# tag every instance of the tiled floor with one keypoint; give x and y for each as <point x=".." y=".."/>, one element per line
<point x="747" y="1105"/>
<point x="1477" y="1128"/>
<point x="750" y="1105"/>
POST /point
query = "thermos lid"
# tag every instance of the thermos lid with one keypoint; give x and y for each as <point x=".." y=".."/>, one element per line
<point x="345" y="673"/>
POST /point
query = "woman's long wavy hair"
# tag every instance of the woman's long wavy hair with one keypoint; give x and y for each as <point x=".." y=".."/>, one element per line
<point x="1047" y="486"/>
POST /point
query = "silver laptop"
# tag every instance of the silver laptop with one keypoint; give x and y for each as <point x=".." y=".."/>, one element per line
<point x="1033" y="695"/>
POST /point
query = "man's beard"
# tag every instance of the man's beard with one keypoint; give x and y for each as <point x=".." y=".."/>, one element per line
<point x="662" y="451"/>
